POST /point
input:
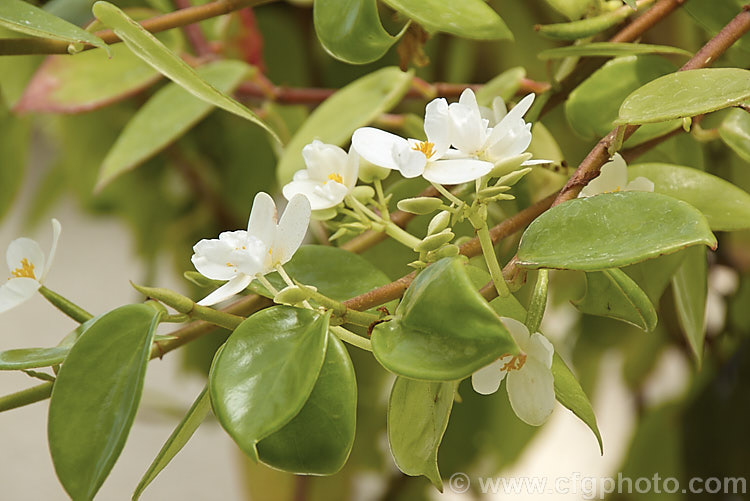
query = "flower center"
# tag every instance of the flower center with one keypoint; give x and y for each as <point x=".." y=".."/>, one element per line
<point x="336" y="177"/>
<point x="613" y="191"/>
<point x="26" y="270"/>
<point x="515" y="363"/>
<point x="427" y="148"/>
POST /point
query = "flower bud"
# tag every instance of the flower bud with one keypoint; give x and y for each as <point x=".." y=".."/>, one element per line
<point x="513" y="177"/>
<point x="363" y="193"/>
<point x="509" y="164"/>
<point x="420" y="205"/>
<point x="338" y="234"/>
<point x="433" y="242"/>
<point x="369" y="172"/>
<point x="292" y="295"/>
<point x="492" y="191"/>
<point x="324" y="214"/>
<point x="449" y="250"/>
<point x="439" y="222"/>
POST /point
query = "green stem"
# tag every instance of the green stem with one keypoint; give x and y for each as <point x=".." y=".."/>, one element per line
<point x="26" y="397"/>
<point x="348" y="315"/>
<point x="381" y="198"/>
<point x="488" y="250"/>
<point x="447" y="194"/>
<point x="268" y="285"/>
<point x="284" y="275"/>
<point x="351" y="338"/>
<point x="401" y="235"/>
<point x="65" y="305"/>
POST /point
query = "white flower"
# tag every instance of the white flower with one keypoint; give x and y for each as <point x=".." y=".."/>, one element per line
<point x="330" y="175"/>
<point x="531" y="387"/>
<point x="239" y="256"/>
<point x="28" y="269"/>
<point x="508" y="138"/>
<point x="432" y="159"/>
<point x="614" y="177"/>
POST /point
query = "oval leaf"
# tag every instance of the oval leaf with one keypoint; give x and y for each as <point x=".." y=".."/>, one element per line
<point x="610" y="231"/>
<point x="350" y="30"/>
<point x="418" y="413"/>
<point x="690" y="289"/>
<point x="264" y="374"/>
<point x="147" y="47"/>
<point x="686" y="94"/>
<point x="340" y="115"/>
<point x="96" y="396"/>
<point x="23" y="17"/>
<point x="318" y="440"/>
<point x="467" y="18"/>
<point x="169" y="114"/>
<point x="735" y="132"/>
<point x="443" y="328"/>
<point x="611" y="293"/>
<point x="609" y="49"/>
<point x="725" y="206"/>
<point x="584" y="27"/>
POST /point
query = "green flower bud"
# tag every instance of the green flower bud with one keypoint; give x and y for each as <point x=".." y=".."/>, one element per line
<point x="369" y="172"/>
<point x="509" y="164"/>
<point x="513" y="177"/>
<point x="449" y="250"/>
<point x="492" y="191"/>
<point x="292" y="295"/>
<point x="420" y="205"/>
<point x="338" y="234"/>
<point x="439" y="222"/>
<point x="433" y="242"/>
<point x="324" y="214"/>
<point x="363" y="193"/>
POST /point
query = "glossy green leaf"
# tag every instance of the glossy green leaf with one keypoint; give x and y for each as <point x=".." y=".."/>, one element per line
<point x="686" y="94"/>
<point x="443" y="328"/>
<point x="418" y="413"/>
<point x="735" y="132"/>
<point x="569" y="393"/>
<point x="177" y="440"/>
<point x="654" y="275"/>
<point x="584" y="27"/>
<point x="714" y="15"/>
<point x="630" y="3"/>
<point x="611" y="230"/>
<point x="23" y="17"/>
<point x="726" y="207"/>
<point x="351" y="30"/>
<point x="340" y="115"/>
<point x="169" y="114"/>
<point x="609" y="49"/>
<point x="318" y="440"/>
<point x="611" y="293"/>
<point x="147" y="47"/>
<point x="92" y="79"/>
<point x="505" y="85"/>
<point x="96" y="396"/>
<point x="593" y="106"/>
<point x="468" y="18"/>
<point x="266" y="371"/>
<point x="690" y="290"/>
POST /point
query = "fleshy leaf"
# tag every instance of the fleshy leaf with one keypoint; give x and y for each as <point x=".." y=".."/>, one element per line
<point x="690" y="289"/>
<point x="654" y="275"/>
<point x="713" y="16"/>
<point x="318" y="440"/>
<point x="147" y="47"/>
<point x="700" y="91"/>
<point x="726" y="207"/>
<point x="335" y="120"/>
<point x="467" y="18"/>
<point x="443" y="328"/>
<point x="612" y="293"/>
<point x="735" y="132"/>
<point x="266" y="371"/>
<point x="418" y="413"/>
<point x="612" y="230"/>
<point x="609" y="49"/>
<point x="96" y="396"/>
<point x="351" y="30"/>
<point x="169" y="114"/>
<point x="177" y="440"/>
<point x="585" y="27"/>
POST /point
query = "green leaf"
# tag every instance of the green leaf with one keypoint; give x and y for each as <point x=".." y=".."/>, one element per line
<point x="467" y="18"/>
<point x="353" y="106"/>
<point x="418" y="413"/>
<point x="631" y="4"/>
<point x="92" y="79"/>
<point x="14" y="145"/>
<point x="654" y="275"/>
<point x="177" y="440"/>
<point x="610" y="231"/>
<point x="147" y="47"/>
<point x="593" y="106"/>
<point x="318" y="440"/>
<point x="572" y="9"/>
<point x="169" y="114"/>
<point x="266" y="371"/>
<point x="700" y="91"/>
<point x="609" y="49"/>
<point x="611" y="293"/>
<point x="584" y="27"/>
<point x="735" y="132"/>
<point x="23" y="17"/>
<point x="96" y="396"/>
<point x="351" y="31"/>
<point x="569" y="393"/>
<point x="690" y="290"/>
<point x="443" y="328"/>
<point x="713" y="16"/>
<point x="505" y="85"/>
<point x="726" y="207"/>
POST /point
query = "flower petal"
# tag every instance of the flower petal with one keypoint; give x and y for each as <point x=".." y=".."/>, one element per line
<point x="612" y="177"/>
<point x="487" y="380"/>
<point x="456" y="171"/>
<point x="437" y="125"/>
<point x="56" y="230"/>
<point x="16" y="291"/>
<point x="229" y="289"/>
<point x="540" y="348"/>
<point x="469" y="130"/>
<point x="351" y="170"/>
<point x="292" y="229"/>
<point x="377" y="146"/>
<point x="499" y="109"/>
<point x="411" y="163"/>
<point x="262" y="221"/>
<point x="26" y="249"/>
<point x="531" y="392"/>
<point x="510" y="120"/>
<point x="518" y="331"/>
<point x="640" y="184"/>
<point x="319" y="196"/>
<point x="212" y="259"/>
<point x="323" y="159"/>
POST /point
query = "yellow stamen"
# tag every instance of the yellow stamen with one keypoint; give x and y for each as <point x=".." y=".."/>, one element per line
<point x="230" y="265"/>
<point x="336" y="177"/>
<point x="425" y="147"/>
<point x="613" y="191"/>
<point x="26" y="270"/>
<point x="515" y="363"/>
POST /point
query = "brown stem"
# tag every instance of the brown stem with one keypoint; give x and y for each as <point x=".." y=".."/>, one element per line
<point x="194" y="34"/>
